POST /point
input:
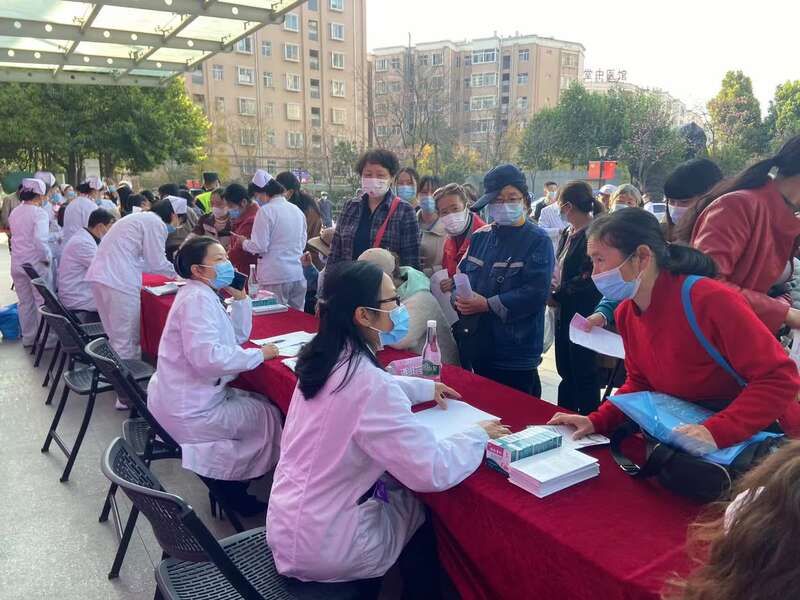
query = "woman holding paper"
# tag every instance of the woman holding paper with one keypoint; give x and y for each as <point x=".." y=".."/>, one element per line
<point x="634" y="265"/>
<point x="337" y="511"/>
<point x="574" y="293"/>
<point x="226" y="434"/>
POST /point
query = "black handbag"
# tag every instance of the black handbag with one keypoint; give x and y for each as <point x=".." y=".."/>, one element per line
<point x="678" y="470"/>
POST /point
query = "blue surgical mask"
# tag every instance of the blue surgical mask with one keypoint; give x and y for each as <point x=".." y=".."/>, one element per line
<point x="99" y="202"/>
<point x="428" y="204"/>
<point x="71" y="194"/>
<point x="614" y="287"/>
<point x="112" y="188"/>
<point x="506" y="213"/>
<point x="406" y="192"/>
<point x="677" y="212"/>
<point x="399" y="317"/>
<point x="171" y="228"/>
<point x="56" y="198"/>
<point x="234" y="213"/>
<point x="224" y="274"/>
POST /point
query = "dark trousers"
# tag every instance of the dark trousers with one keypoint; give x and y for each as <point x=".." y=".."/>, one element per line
<point x="577" y="367"/>
<point x="526" y="381"/>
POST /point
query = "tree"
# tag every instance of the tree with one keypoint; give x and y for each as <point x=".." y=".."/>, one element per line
<point x="345" y="156"/>
<point x="783" y="117"/>
<point x="539" y="148"/>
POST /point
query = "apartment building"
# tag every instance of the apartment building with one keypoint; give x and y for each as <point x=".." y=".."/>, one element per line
<point x="285" y="95"/>
<point x="480" y="87"/>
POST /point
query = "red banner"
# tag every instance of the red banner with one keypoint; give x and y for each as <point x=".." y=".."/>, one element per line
<point x="609" y="170"/>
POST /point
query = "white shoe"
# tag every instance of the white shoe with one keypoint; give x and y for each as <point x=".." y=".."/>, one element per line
<point x="120" y="406"/>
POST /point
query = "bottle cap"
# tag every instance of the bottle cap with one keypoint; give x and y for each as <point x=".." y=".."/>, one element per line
<point x="432" y="323"/>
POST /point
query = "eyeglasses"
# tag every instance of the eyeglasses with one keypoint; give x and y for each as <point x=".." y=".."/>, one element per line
<point x="509" y="200"/>
<point x="393" y="300"/>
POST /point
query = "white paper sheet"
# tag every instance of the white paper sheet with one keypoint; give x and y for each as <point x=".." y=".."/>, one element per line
<point x="450" y="315"/>
<point x="598" y="339"/>
<point x="566" y="432"/>
<point x="458" y="417"/>
<point x="168" y="288"/>
<point x="291" y="363"/>
<point x="289" y="344"/>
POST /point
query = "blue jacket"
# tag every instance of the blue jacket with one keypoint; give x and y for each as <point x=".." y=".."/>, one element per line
<point x="513" y="268"/>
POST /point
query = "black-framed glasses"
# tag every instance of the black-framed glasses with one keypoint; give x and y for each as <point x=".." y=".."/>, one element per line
<point x="393" y="299"/>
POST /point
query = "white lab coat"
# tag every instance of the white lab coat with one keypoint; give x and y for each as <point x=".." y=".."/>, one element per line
<point x="335" y="447"/>
<point x="224" y="432"/>
<point x="76" y="256"/>
<point x="135" y="244"/>
<point x="279" y="240"/>
<point x="29" y="227"/>
<point x="551" y="221"/>
<point x="76" y="216"/>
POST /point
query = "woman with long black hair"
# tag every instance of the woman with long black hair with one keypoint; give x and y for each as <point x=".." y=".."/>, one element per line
<point x="334" y="514"/>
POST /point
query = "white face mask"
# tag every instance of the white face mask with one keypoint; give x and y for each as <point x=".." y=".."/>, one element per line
<point x="374" y="186"/>
<point x="455" y="223"/>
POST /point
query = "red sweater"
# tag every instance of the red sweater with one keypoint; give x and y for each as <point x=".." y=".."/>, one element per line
<point x="751" y="235"/>
<point x="244" y="226"/>
<point x="453" y="253"/>
<point x="662" y="354"/>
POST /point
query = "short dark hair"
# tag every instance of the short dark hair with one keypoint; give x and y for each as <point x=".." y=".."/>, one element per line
<point x="288" y="180"/>
<point x="385" y="158"/>
<point x="150" y="196"/>
<point x="26" y="195"/>
<point x="549" y="183"/>
<point x="273" y="188"/>
<point x="136" y="200"/>
<point x="235" y="194"/>
<point x="163" y="208"/>
<point x="692" y="178"/>
<point x="100" y="216"/>
<point x="431" y="180"/>
<point x="84" y="188"/>
<point x="411" y="171"/>
<point x="193" y="252"/>
<point x="168" y="189"/>
<point x="579" y="194"/>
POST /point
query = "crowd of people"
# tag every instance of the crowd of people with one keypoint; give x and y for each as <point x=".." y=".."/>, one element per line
<point x="405" y="251"/>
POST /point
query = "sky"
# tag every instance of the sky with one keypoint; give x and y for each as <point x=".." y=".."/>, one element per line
<point x="682" y="46"/>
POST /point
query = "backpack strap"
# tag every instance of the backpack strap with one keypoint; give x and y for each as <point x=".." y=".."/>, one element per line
<point x="382" y="230"/>
<point x="686" y="299"/>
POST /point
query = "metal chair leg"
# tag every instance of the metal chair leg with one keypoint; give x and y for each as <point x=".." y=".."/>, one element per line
<point x="37" y="339"/>
<point x="123" y="543"/>
<point x="53" y="360"/>
<point x="107" y="505"/>
<point x="42" y="344"/>
<point x="56" y="418"/>
<point x="56" y="379"/>
<point x="73" y="454"/>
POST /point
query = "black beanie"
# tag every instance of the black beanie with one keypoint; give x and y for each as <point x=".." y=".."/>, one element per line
<point x="692" y="178"/>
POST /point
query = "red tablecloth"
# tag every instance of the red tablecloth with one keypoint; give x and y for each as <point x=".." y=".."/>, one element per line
<point x="609" y="538"/>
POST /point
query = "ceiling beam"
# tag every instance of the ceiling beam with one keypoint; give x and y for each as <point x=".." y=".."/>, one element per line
<point x="84" y="26"/>
<point x="79" y="60"/>
<point x="188" y="7"/>
<point x="71" y="77"/>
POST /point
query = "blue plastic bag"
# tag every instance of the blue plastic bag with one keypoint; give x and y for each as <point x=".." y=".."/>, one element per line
<point x="9" y="322"/>
<point x="659" y="415"/>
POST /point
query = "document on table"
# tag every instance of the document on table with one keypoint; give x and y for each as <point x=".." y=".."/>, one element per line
<point x="289" y="344"/>
<point x="567" y="431"/>
<point x="458" y="417"/>
<point x="162" y="290"/>
<point x="598" y="339"/>
<point x="291" y="363"/>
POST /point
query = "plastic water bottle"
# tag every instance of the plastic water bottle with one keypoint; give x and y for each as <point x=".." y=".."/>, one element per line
<point x="252" y="284"/>
<point x="431" y="356"/>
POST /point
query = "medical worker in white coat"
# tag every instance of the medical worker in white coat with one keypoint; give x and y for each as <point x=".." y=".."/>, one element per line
<point x="51" y="205"/>
<point x="29" y="227"/>
<point x="76" y="257"/>
<point x="350" y="423"/>
<point x="279" y="240"/>
<point x="76" y="214"/>
<point x="226" y="434"/>
<point x="135" y="245"/>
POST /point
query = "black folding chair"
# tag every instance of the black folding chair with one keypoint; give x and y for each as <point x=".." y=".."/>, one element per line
<point x="147" y="442"/>
<point x="195" y="564"/>
<point x="83" y="379"/>
<point x="39" y="340"/>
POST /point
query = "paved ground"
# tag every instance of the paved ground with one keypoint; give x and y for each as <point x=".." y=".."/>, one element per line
<point x="51" y="544"/>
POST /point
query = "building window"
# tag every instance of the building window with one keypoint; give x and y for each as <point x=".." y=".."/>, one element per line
<point x="458" y="60"/>
<point x="313" y="5"/>
<point x="424" y="59"/>
<point x="337" y="32"/>
<point x="395" y="87"/>
<point x="395" y="130"/>
<point x="269" y="110"/>
<point x="522" y="102"/>
<point x="291" y="22"/>
<point x="483" y="103"/>
<point x="199" y="99"/>
<point x="380" y="130"/>
<point x="481" y="126"/>
<point x="380" y="88"/>
<point x="293" y="82"/>
<point x="522" y="78"/>
<point x="293" y="112"/>
<point x="437" y="83"/>
<point x="437" y="59"/>
<point x="245" y="45"/>
<point x="569" y="60"/>
<point x="197" y="75"/>
<point x="313" y="60"/>
<point x="217" y="72"/>
<point x="245" y="75"/>
<point x="266" y="48"/>
<point x="219" y="104"/>
<point x="247" y="106"/>
<point x="484" y="56"/>
<point x="291" y="52"/>
<point x="316" y="142"/>
<point x="337" y="5"/>
<point x="524" y="55"/>
<point x="315" y="89"/>
<point x="381" y="65"/>
<point x="269" y="139"/>
<point x="481" y="80"/>
<point x="313" y="30"/>
<point x="337" y="60"/>
<point x="316" y="116"/>
<point x="506" y="61"/>
<point x="248" y="165"/>
<point x="395" y="63"/>
<point x="294" y="139"/>
<point x="338" y="116"/>
<point x="268" y="80"/>
<point x="337" y="89"/>
<point x="248" y="136"/>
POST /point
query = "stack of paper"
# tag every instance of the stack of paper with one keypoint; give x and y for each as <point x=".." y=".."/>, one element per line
<point x="162" y="290"/>
<point x="552" y="471"/>
<point x="500" y="453"/>
<point x="289" y="344"/>
<point x="268" y="309"/>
